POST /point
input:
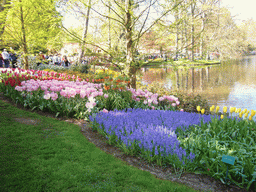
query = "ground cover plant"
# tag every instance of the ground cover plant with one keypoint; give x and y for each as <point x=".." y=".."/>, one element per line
<point x="189" y="141"/>
<point x="197" y="143"/>
<point x="52" y="155"/>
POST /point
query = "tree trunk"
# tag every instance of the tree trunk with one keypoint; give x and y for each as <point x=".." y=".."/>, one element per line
<point x="177" y="35"/>
<point x="129" y="44"/>
<point x="192" y="31"/>
<point x="85" y="32"/>
<point x="24" y="42"/>
<point x="2" y="8"/>
<point x="192" y="79"/>
<point x="109" y="34"/>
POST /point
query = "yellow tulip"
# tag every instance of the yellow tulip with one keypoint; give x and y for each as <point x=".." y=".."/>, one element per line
<point x="213" y="107"/>
<point x="246" y="115"/>
<point x="252" y="113"/>
<point x="225" y="109"/>
<point x="250" y="117"/>
<point x="198" y="108"/>
<point x="217" y="109"/>
<point x="239" y="110"/>
<point x="202" y="111"/>
<point x="240" y="115"/>
<point x="231" y="109"/>
<point x="236" y="110"/>
<point x="222" y="116"/>
<point x="245" y="110"/>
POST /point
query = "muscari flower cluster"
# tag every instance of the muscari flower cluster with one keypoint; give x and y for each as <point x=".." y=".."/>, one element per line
<point x="150" y="129"/>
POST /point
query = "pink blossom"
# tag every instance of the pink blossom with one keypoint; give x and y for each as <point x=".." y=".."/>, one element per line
<point x="105" y="110"/>
<point x="182" y="110"/>
<point x="18" y="88"/>
<point x="177" y="102"/>
<point x="137" y="99"/>
<point x="173" y="104"/>
<point x="145" y="102"/>
<point x="44" y="88"/>
<point x="153" y="107"/>
<point x="155" y="102"/>
<point x="161" y="98"/>
<point x="82" y="93"/>
<point x="54" y="96"/>
<point x="105" y="95"/>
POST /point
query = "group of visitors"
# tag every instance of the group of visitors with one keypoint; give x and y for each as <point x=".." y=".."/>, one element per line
<point x="7" y="58"/>
<point x="55" y="59"/>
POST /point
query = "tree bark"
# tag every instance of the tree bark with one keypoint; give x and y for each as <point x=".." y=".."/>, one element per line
<point x="3" y="3"/>
<point x="129" y="44"/>
<point x="24" y="42"/>
<point x="85" y="32"/>
<point x="192" y="31"/>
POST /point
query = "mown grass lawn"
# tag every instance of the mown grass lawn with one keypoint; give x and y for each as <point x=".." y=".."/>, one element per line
<point x="52" y="155"/>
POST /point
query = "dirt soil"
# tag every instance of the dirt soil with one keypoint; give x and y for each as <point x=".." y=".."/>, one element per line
<point x="199" y="182"/>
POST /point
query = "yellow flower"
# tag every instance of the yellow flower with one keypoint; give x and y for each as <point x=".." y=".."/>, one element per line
<point x="239" y="110"/>
<point x="232" y="109"/>
<point x="217" y="109"/>
<point x="222" y="116"/>
<point x="202" y="111"/>
<point x="240" y="115"/>
<point x="252" y="113"/>
<point x="250" y="117"/>
<point x="236" y="110"/>
<point x="213" y="107"/>
<point x="225" y="109"/>
<point x="246" y="115"/>
<point x="245" y="110"/>
<point x="198" y="108"/>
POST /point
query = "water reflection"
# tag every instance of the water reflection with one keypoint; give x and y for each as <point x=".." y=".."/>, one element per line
<point x="228" y="84"/>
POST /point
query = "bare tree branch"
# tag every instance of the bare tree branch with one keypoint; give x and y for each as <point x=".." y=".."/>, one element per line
<point x="113" y="10"/>
<point x="107" y="16"/>
<point x="139" y="35"/>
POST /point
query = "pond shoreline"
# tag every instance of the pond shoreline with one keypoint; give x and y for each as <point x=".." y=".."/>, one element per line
<point x="169" y="64"/>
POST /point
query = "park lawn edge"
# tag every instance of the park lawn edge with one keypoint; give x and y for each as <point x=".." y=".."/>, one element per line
<point x="54" y="155"/>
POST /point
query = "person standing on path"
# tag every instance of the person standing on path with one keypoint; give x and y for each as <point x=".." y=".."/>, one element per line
<point x="13" y="58"/>
<point x="6" y="58"/>
<point x="1" y="60"/>
<point x="65" y="60"/>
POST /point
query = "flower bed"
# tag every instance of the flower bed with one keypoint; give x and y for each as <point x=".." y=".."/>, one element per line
<point x="62" y="94"/>
<point x="189" y="141"/>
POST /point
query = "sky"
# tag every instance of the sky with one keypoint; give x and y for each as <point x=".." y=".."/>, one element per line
<point x="242" y="9"/>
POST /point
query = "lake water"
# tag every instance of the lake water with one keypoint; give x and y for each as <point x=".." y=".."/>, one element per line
<point x="231" y="83"/>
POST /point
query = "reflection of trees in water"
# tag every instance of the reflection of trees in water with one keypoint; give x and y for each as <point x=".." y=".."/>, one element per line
<point x="158" y="75"/>
<point x="215" y="82"/>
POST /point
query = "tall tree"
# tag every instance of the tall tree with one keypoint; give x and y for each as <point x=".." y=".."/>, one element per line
<point x="134" y="19"/>
<point x="31" y="23"/>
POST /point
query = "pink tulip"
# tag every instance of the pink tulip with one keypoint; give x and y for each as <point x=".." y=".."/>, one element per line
<point x="105" y="110"/>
